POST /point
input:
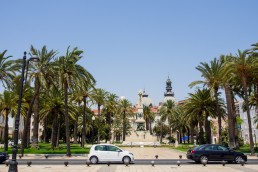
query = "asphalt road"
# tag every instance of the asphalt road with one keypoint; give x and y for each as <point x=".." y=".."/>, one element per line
<point x="136" y="162"/>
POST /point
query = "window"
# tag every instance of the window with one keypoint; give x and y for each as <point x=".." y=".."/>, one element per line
<point x="222" y="148"/>
<point x="210" y="148"/>
<point x="100" y="148"/>
<point x="112" y="148"/>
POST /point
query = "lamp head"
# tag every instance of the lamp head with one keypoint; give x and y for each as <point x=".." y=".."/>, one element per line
<point x="93" y="118"/>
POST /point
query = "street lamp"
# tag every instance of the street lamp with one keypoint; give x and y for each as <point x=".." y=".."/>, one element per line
<point x="84" y="121"/>
<point x="124" y="124"/>
<point x="209" y="130"/>
<point x="93" y="119"/>
<point x="13" y="163"/>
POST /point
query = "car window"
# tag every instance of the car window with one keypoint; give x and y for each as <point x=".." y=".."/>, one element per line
<point x="100" y="148"/>
<point x="199" y="147"/>
<point x="222" y="148"/>
<point x="113" y="148"/>
<point x="210" y="148"/>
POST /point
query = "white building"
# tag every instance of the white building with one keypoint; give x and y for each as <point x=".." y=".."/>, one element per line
<point x="244" y="125"/>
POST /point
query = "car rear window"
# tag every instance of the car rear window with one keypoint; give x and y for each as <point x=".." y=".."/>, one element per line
<point x="199" y="147"/>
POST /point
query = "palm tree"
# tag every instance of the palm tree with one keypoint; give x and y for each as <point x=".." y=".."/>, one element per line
<point x="242" y="66"/>
<point x="70" y="75"/>
<point x="199" y="106"/>
<point x="7" y="70"/>
<point x="169" y="114"/>
<point x="146" y="114"/>
<point x="99" y="96"/>
<point x="212" y="74"/>
<point x="227" y="84"/>
<point x="8" y="106"/>
<point x="110" y="109"/>
<point x="42" y="77"/>
<point x="125" y="109"/>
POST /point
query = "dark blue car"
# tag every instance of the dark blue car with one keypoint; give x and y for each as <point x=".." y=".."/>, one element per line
<point x="3" y="157"/>
<point x="214" y="152"/>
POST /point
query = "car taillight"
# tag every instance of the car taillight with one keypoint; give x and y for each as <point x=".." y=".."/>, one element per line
<point x="192" y="151"/>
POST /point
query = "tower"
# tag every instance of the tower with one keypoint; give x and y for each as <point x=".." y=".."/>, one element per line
<point x="169" y="94"/>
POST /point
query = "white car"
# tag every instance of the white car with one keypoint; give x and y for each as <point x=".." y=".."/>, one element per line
<point x="109" y="153"/>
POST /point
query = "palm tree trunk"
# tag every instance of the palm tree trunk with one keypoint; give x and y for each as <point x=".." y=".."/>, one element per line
<point x="36" y="114"/>
<point x="161" y="128"/>
<point x="45" y="130"/>
<point x="218" y="115"/>
<point x="201" y="139"/>
<point x="150" y="128"/>
<point x="109" y="126"/>
<point x="26" y="130"/>
<point x="244" y="83"/>
<point x="67" y="132"/>
<point x="75" y="133"/>
<point x="54" y="131"/>
<point x="58" y="130"/>
<point x="192" y="132"/>
<point x="231" y="133"/>
<point x="6" y="128"/>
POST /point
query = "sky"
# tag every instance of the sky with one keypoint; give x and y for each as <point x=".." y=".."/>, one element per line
<point x="133" y="45"/>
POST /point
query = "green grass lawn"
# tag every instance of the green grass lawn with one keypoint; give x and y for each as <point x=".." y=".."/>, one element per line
<point x="45" y="148"/>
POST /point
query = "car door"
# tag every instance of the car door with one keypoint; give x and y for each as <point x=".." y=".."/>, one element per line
<point x="209" y="151"/>
<point x="101" y="153"/>
<point x="114" y="153"/>
<point x="227" y="154"/>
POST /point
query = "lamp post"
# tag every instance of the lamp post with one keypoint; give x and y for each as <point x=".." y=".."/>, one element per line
<point x="84" y="120"/>
<point x="209" y="130"/>
<point x="93" y="119"/>
<point x="13" y="163"/>
<point x="124" y="124"/>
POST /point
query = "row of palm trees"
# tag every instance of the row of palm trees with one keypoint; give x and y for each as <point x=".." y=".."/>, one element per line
<point x="237" y="76"/>
<point x="64" y="92"/>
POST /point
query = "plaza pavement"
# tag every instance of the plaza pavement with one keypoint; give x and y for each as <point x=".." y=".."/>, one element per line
<point x="139" y="153"/>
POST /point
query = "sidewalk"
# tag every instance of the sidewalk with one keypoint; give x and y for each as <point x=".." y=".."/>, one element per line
<point x="139" y="153"/>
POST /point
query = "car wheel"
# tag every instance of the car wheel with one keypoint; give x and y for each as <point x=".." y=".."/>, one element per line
<point x="203" y="158"/>
<point x="238" y="159"/>
<point x="94" y="160"/>
<point x="126" y="159"/>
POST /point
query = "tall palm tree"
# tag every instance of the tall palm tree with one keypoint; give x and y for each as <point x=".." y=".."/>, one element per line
<point x="70" y="75"/>
<point x="99" y="96"/>
<point x="110" y="109"/>
<point x="227" y="84"/>
<point x="146" y="114"/>
<point x="42" y="76"/>
<point x="170" y="111"/>
<point x="242" y="66"/>
<point x="125" y="109"/>
<point x="8" y="106"/>
<point x="7" y="70"/>
<point x="212" y="75"/>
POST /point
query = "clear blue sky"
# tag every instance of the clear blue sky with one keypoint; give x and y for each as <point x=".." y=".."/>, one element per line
<point x="134" y="44"/>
